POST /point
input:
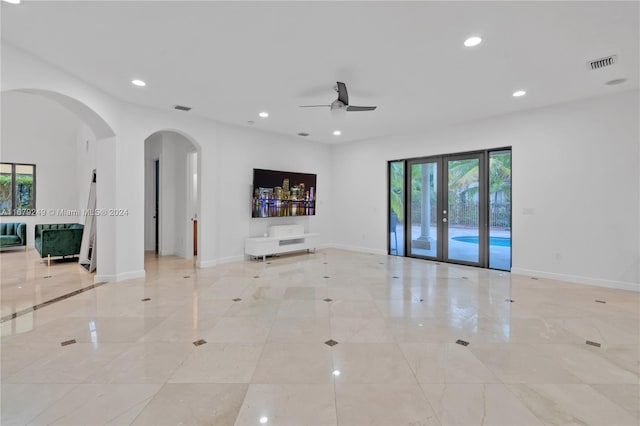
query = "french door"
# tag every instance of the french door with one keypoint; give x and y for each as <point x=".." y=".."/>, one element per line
<point x="451" y="208"/>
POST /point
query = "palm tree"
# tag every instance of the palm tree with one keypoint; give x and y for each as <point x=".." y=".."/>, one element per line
<point x="397" y="189"/>
<point x="463" y="184"/>
<point x="463" y="176"/>
<point x="463" y="180"/>
<point x="500" y="175"/>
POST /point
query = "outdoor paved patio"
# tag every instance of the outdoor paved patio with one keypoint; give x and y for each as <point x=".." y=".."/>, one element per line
<point x="499" y="257"/>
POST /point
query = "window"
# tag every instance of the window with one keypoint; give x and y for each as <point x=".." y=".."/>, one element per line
<point x="17" y="189"/>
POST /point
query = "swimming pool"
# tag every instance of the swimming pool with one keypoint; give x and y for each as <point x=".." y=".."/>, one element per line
<point x="493" y="241"/>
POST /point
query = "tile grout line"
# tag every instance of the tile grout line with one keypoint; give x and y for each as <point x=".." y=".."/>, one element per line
<point x="50" y="302"/>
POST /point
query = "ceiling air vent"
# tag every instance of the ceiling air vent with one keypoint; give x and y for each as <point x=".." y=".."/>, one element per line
<point x="602" y="62"/>
<point x="303" y="134"/>
<point x="182" y="108"/>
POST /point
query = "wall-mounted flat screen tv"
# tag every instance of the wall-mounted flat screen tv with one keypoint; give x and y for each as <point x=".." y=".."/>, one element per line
<point x="282" y="194"/>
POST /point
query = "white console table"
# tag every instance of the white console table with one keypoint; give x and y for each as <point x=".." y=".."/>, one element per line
<point x="281" y="239"/>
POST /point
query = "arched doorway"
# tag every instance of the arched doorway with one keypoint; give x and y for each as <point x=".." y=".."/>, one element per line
<point x="171" y="194"/>
<point x="65" y="148"/>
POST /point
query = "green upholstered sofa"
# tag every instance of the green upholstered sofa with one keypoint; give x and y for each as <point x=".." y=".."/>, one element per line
<point x="13" y="234"/>
<point x="58" y="239"/>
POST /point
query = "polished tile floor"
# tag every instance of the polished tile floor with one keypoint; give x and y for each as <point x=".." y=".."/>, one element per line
<point x="129" y="355"/>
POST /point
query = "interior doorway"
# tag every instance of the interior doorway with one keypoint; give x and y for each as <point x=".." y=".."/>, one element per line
<point x="457" y="208"/>
<point x="171" y="194"/>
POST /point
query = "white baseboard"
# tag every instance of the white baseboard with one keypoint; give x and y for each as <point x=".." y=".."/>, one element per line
<point x="119" y="277"/>
<point x="205" y="263"/>
<point x="131" y="275"/>
<point x="358" y="249"/>
<point x="104" y="279"/>
<point x="222" y="260"/>
<point x="597" y="282"/>
<point x="230" y="259"/>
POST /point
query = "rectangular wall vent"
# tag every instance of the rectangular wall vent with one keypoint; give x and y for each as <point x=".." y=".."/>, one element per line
<point x="602" y="62"/>
<point x="182" y="108"/>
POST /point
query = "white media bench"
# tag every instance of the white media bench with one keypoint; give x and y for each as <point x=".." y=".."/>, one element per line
<point x="281" y="239"/>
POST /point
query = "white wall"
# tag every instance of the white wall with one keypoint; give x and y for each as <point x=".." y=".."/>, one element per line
<point x="36" y="130"/>
<point x="86" y="162"/>
<point x="240" y="150"/>
<point x="575" y="166"/>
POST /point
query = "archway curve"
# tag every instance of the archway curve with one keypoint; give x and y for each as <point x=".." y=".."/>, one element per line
<point x="98" y="125"/>
<point x="182" y="133"/>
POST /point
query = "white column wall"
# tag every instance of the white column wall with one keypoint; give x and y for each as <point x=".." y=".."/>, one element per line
<point x="106" y="226"/>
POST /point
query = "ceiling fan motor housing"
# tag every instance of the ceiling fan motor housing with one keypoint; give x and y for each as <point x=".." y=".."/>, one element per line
<point x="337" y="105"/>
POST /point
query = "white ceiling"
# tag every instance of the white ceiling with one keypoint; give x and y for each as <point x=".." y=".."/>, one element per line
<point x="231" y="60"/>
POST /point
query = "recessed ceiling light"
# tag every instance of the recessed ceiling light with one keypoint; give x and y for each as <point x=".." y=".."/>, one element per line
<point x="138" y="83"/>
<point x="264" y="114"/>
<point x="264" y="419"/>
<point x="337" y="133"/>
<point x="616" y="81"/>
<point x="472" y="41"/>
<point x="519" y="93"/>
<point x="336" y="372"/>
<point x="12" y="1"/>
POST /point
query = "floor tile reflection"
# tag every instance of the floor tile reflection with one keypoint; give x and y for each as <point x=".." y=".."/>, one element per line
<point x="373" y="344"/>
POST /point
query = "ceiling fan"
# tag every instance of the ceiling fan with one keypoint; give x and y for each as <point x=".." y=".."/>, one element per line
<point x="342" y="103"/>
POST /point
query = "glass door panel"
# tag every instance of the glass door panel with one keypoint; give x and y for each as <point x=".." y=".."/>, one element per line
<point x="457" y="208"/>
<point x="500" y="210"/>
<point x="396" y="208"/>
<point x="461" y="217"/>
<point x="423" y="209"/>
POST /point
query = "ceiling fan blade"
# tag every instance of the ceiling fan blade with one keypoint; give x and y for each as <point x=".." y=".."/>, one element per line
<point x="343" y="96"/>
<point x="361" y="108"/>
<point x="313" y="106"/>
